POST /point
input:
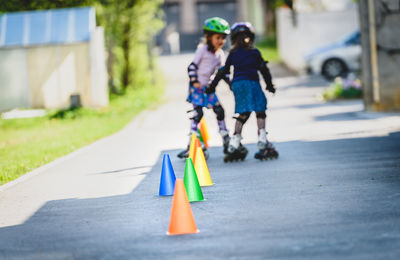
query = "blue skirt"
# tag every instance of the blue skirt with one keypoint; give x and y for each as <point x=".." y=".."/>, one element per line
<point x="249" y="96"/>
<point x="198" y="97"/>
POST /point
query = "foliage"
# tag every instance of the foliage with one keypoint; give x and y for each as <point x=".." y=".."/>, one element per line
<point x="343" y="88"/>
<point x="26" y="5"/>
<point x="275" y="3"/>
<point x="269" y="49"/>
<point x="130" y="27"/>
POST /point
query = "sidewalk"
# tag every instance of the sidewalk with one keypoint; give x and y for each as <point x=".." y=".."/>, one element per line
<point x="332" y="194"/>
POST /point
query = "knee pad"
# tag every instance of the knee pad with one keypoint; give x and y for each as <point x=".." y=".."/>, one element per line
<point x="261" y="114"/>
<point x="219" y="111"/>
<point x="198" y="111"/>
<point x="242" y="118"/>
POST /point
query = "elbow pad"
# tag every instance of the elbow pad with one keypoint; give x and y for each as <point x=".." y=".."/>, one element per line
<point x="192" y="72"/>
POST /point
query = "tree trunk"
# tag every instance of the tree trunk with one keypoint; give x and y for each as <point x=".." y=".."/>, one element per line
<point x="110" y="66"/>
<point x="270" y="18"/>
<point x="126" y="78"/>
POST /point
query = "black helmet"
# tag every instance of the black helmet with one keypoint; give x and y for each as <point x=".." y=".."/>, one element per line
<point x="243" y="27"/>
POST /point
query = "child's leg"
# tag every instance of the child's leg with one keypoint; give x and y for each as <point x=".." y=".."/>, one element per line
<point x="240" y="121"/>
<point x="223" y="131"/>
<point x="237" y="135"/>
<point x="262" y="134"/>
<point x="220" y="113"/>
<point x="198" y="114"/>
<point x="266" y="149"/>
<point x="236" y="151"/>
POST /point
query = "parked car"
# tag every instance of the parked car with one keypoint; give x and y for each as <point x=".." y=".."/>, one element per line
<point x="336" y="59"/>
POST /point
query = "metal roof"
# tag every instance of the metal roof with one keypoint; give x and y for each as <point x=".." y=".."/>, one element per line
<point x="56" y="26"/>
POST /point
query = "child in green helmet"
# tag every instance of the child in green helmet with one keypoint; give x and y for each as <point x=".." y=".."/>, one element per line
<point x="207" y="59"/>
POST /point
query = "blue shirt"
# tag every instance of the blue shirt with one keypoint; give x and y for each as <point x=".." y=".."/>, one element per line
<point x="246" y="64"/>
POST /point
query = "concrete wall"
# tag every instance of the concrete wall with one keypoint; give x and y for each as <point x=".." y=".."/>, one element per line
<point x="57" y="72"/>
<point x="46" y="76"/>
<point x="14" y="83"/>
<point x="98" y="71"/>
<point x="309" y="30"/>
<point x="384" y="95"/>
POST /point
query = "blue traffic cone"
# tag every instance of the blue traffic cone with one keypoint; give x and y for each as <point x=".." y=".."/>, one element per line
<point x="167" y="181"/>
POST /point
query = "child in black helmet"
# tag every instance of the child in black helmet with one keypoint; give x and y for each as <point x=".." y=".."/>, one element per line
<point x="207" y="59"/>
<point x="249" y="97"/>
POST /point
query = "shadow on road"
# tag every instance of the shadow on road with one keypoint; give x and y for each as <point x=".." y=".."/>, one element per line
<point x="144" y="168"/>
<point x="318" y="200"/>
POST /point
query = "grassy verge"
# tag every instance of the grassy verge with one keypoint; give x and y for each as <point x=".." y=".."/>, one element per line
<point x="269" y="50"/>
<point x="26" y="144"/>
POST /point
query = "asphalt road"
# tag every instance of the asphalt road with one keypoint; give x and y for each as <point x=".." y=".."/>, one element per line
<point x="334" y="192"/>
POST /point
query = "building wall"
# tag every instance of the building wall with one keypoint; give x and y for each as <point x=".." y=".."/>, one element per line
<point x="184" y="20"/>
<point x="56" y="72"/>
<point x="306" y="31"/>
<point x="98" y="71"/>
<point x="47" y="76"/>
<point x="14" y="83"/>
<point x="385" y="95"/>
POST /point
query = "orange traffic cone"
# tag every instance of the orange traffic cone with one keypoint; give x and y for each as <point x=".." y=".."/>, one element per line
<point x="202" y="139"/>
<point x="203" y="132"/>
<point x="204" y="129"/>
<point x="203" y="175"/>
<point x="182" y="220"/>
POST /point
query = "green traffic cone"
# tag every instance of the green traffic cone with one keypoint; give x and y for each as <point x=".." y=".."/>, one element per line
<point x="191" y="182"/>
<point x="200" y="136"/>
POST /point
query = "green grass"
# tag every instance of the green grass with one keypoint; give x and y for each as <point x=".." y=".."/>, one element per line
<point x="26" y="144"/>
<point x="269" y="50"/>
<point x="343" y="89"/>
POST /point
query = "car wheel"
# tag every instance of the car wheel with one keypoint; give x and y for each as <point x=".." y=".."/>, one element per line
<point x="333" y="68"/>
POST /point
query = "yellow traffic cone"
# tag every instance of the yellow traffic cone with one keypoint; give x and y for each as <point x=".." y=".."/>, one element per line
<point x="192" y="147"/>
<point x="203" y="175"/>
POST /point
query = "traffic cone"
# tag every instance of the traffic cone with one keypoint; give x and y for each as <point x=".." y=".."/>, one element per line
<point x="192" y="147"/>
<point x="202" y="139"/>
<point x="167" y="180"/>
<point x="195" y="145"/>
<point x="201" y="167"/>
<point x="182" y="220"/>
<point x="204" y="129"/>
<point x="192" y="185"/>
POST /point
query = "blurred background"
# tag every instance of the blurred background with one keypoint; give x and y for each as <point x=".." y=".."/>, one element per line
<point x="47" y="45"/>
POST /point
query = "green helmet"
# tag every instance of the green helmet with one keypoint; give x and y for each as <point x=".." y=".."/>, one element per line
<point x="217" y="25"/>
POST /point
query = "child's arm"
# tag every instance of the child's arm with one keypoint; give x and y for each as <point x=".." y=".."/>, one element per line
<point x="193" y="67"/>
<point x="267" y="76"/>
<point x="192" y="72"/>
<point x="266" y="73"/>
<point x="226" y="78"/>
<point x="223" y="73"/>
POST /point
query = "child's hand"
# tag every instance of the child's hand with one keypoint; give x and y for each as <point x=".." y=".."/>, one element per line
<point x="271" y="89"/>
<point x="197" y="85"/>
<point x="209" y="90"/>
